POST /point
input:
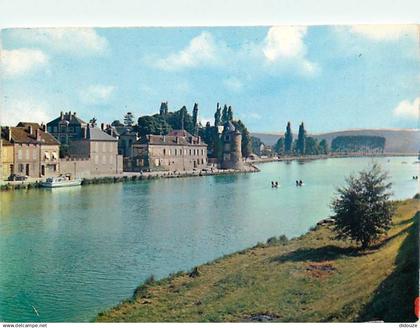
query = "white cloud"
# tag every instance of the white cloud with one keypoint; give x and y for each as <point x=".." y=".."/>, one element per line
<point x="17" y="62"/>
<point x="407" y="109"/>
<point x="74" y="41"/>
<point x="97" y="94"/>
<point x="384" y="32"/>
<point x="284" y="41"/>
<point x="200" y="50"/>
<point x="283" y="49"/>
<point x="233" y="84"/>
<point x="28" y="110"/>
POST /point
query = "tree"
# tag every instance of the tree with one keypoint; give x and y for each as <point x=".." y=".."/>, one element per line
<point x="155" y="124"/>
<point x="225" y="116"/>
<point x="129" y="119"/>
<point x="230" y="114"/>
<point x="256" y="144"/>
<point x="117" y="123"/>
<point x="301" y="140"/>
<point x="195" y="115"/>
<point x="246" y="138"/>
<point x="279" y="146"/>
<point x="362" y="210"/>
<point x="217" y="116"/>
<point x="323" y="147"/>
<point x="311" y="146"/>
<point x="288" y="139"/>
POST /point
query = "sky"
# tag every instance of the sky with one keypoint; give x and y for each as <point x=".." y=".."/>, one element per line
<point x="330" y="77"/>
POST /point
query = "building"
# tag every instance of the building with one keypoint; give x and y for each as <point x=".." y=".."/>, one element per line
<point x="28" y="150"/>
<point x="232" y="152"/>
<point x="177" y="151"/>
<point x="95" y="154"/>
<point x="66" y="127"/>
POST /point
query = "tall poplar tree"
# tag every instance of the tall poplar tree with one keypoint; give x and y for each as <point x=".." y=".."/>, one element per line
<point x="288" y="139"/>
<point x="301" y="140"/>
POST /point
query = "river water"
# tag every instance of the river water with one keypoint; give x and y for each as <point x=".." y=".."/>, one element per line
<point x="70" y="253"/>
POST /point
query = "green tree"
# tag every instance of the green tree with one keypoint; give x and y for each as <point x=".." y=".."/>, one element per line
<point x="246" y="145"/>
<point x="301" y="140"/>
<point x="117" y="123"/>
<point x="129" y="119"/>
<point x="155" y="124"/>
<point x="323" y="147"/>
<point x="218" y="116"/>
<point x="256" y="145"/>
<point x="311" y="146"/>
<point x="279" y="146"/>
<point x="230" y="114"/>
<point x="180" y="119"/>
<point x="195" y="115"/>
<point x="288" y="139"/>
<point x="362" y="210"/>
<point x="225" y="116"/>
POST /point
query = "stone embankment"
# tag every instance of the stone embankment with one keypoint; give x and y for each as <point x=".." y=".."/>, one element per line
<point x="133" y="176"/>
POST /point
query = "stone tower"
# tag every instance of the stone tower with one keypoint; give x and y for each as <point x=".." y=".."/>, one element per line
<point x="232" y="153"/>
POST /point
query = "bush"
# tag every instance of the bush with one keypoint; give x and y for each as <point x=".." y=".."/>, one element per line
<point x="362" y="209"/>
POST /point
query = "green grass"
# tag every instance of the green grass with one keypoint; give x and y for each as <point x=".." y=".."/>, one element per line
<point x="313" y="278"/>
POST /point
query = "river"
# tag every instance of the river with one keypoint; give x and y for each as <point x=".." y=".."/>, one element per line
<point x="70" y="253"/>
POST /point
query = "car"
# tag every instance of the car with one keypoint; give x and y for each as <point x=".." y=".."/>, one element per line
<point x="17" y="177"/>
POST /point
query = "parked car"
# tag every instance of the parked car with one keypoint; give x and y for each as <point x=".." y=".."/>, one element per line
<point x="17" y="177"/>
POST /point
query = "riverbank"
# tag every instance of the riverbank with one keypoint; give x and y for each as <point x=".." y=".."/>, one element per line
<point x="317" y="157"/>
<point x="132" y="176"/>
<point x="312" y="278"/>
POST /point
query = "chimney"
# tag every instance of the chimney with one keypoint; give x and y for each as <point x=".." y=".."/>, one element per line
<point x="30" y="130"/>
<point x="43" y="128"/>
<point x="84" y="132"/>
<point x="38" y="135"/>
<point x="102" y="126"/>
<point x="9" y="133"/>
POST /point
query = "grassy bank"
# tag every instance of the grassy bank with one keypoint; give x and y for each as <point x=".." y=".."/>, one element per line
<point x="307" y="279"/>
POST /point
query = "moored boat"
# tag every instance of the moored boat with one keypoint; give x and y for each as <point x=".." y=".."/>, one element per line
<point x="61" y="181"/>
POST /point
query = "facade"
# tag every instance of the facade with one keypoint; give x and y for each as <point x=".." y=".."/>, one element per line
<point x="67" y="127"/>
<point x="177" y="151"/>
<point x="7" y="158"/>
<point x="30" y="151"/>
<point x="232" y="152"/>
<point x="96" y="150"/>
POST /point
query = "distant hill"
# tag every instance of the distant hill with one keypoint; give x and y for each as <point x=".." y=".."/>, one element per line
<point x="402" y="141"/>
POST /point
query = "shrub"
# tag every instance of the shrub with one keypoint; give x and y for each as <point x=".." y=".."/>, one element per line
<point x="362" y="209"/>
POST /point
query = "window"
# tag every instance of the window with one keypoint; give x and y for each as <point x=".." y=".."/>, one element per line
<point x="55" y="129"/>
<point x="104" y="146"/>
<point x="190" y="152"/>
<point x="20" y="154"/>
<point x="202" y="152"/>
<point x="96" y="159"/>
<point x="27" y="154"/>
<point x="49" y="129"/>
<point x="164" y="152"/>
<point x="176" y="152"/>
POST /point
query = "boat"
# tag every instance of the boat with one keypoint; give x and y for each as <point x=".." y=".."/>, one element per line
<point x="61" y="181"/>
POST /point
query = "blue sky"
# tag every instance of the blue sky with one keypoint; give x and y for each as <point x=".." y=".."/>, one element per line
<point x="331" y="78"/>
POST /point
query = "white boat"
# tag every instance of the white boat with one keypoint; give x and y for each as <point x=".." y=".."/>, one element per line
<point x="61" y="181"/>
